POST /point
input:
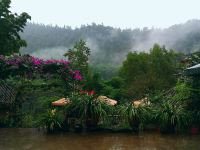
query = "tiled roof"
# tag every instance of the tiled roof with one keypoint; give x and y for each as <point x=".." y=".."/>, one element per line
<point x="194" y="70"/>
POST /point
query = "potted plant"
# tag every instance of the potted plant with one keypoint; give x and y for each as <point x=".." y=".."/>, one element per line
<point x="87" y="109"/>
<point x="172" y="116"/>
<point x="194" y="128"/>
<point x="51" y="121"/>
<point x="135" y="115"/>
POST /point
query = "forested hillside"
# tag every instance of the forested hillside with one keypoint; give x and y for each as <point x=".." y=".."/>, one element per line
<point x="109" y="45"/>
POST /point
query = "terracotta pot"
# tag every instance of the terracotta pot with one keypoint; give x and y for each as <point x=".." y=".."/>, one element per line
<point x="167" y="129"/>
<point x="158" y="129"/>
<point x="90" y="123"/>
<point x="194" y="130"/>
<point x="135" y="124"/>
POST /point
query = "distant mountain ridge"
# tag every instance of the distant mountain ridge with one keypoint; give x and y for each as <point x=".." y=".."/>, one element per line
<point x="108" y="44"/>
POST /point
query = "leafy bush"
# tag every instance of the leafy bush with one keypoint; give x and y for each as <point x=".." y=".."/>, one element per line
<point x="172" y="116"/>
<point x="146" y="72"/>
<point x="52" y="120"/>
<point x="136" y="115"/>
<point x="33" y="98"/>
<point x="5" y="121"/>
<point x="28" y="121"/>
<point x="88" y="109"/>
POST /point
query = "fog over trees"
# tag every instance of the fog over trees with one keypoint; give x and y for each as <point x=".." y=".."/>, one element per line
<point x="109" y="45"/>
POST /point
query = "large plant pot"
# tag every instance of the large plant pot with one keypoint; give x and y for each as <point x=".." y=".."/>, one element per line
<point x="167" y="129"/>
<point x="157" y="129"/>
<point x="135" y="124"/>
<point x="91" y="123"/>
<point x="194" y="130"/>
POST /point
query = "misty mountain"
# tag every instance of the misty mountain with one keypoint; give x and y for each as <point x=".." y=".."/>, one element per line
<point x="109" y="45"/>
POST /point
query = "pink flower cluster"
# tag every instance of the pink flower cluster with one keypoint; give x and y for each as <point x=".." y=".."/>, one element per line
<point x="77" y="75"/>
<point x="2" y="57"/>
<point x="38" y="65"/>
<point x="55" y="61"/>
<point x="14" y="61"/>
<point x="37" y="61"/>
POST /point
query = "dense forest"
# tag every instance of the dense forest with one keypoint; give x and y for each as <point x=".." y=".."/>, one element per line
<point x="108" y="44"/>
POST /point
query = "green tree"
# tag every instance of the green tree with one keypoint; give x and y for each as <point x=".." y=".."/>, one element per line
<point x="134" y="71"/>
<point x="93" y="82"/>
<point x="10" y="26"/>
<point x="78" y="56"/>
<point x="163" y="66"/>
<point x="145" y="72"/>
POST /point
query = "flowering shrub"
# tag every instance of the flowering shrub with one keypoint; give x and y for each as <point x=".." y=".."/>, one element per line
<point x="77" y="75"/>
<point x="28" y="66"/>
<point x="2" y="57"/>
<point x="37" y="61"/>
<point x="51" y="121"/>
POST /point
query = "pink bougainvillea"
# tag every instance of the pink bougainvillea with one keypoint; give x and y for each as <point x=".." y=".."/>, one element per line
<point x="2" y="57"/>
<point x="55" y="61"/>
<point x="65" y="62"/>
<point x="37" y="61"/>
<point x="13" y="61"/>
<point x="27" y="64"/>
<point x="77" y="75"/>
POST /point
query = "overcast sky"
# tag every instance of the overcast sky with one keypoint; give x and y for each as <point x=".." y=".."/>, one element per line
<point x="116" y="13"/>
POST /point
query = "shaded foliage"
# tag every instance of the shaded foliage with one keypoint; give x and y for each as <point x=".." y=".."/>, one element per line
<point x="145" y="72"/>
<point x="78" y="56"/>
<point x="10" y="26"/>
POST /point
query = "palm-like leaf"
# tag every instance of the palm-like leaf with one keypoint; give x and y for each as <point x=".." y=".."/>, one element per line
<point x="86" y="107"/>
<point x="135" y="114"/>
<point x="172" y="115"/>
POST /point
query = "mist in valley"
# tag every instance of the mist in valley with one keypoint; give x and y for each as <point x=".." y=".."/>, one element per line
<point x="109" y="45"/>
<point x="50" y="53"/>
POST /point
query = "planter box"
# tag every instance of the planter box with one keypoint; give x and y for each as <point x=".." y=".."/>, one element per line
<point x="194" y="130"/>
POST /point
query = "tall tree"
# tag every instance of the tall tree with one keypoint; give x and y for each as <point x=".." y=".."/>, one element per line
<point x="10" y="26"/>
<point x="78" y="56"/>
<point x="145" y="72"/>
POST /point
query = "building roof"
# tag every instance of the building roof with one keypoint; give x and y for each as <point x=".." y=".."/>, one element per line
<point x="194" y="70"/>
<point x="194" y="67"/>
